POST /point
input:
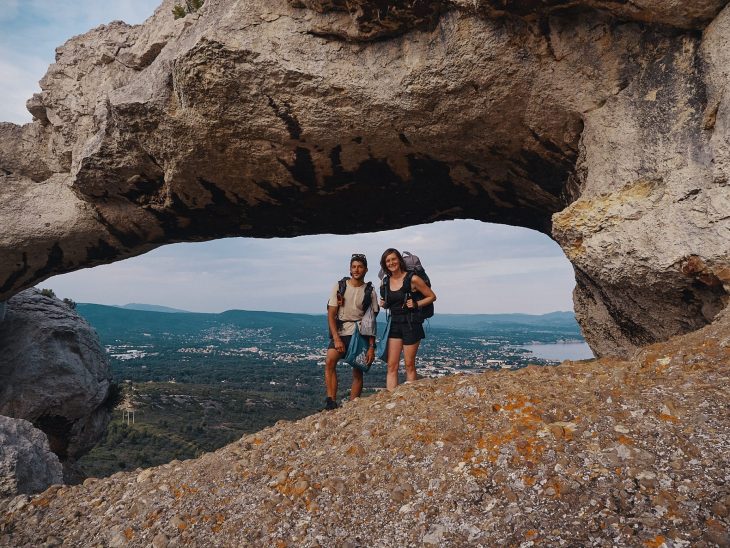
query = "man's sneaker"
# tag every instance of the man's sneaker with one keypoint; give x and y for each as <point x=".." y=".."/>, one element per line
<point x="330" y="404"/>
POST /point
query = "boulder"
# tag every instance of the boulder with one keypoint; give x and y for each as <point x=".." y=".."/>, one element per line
<point x="55" y="373"/>
<point x="27" y="464"/>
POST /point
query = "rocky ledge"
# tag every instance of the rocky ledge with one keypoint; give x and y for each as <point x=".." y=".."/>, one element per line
<point x="601" y="453"/>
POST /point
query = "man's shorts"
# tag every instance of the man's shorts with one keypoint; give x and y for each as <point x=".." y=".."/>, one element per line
<point x="345" y="341"/>
<point x="410" y="333"/>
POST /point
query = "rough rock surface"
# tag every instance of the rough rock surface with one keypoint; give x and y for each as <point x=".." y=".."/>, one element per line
<point x="54" y="373"/>
<point x="27" y="465"/>
<point x="595" y="453"/>
<point x="253" y="117"/>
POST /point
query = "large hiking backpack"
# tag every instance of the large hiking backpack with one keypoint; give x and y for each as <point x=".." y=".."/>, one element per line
<point x="413" y="266"/>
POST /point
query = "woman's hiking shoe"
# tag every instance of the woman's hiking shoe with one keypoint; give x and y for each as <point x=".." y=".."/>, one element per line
<point x="330" y="404"/>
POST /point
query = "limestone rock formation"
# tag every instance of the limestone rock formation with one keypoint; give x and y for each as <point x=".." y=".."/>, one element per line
<point x="27" y="465"/>
<point x="595" y="453"/>
<point x="54" y="373"/>
<point x="602" y="123"/>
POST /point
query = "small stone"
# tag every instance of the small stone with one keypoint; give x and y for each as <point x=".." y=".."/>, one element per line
<point x="717" y="533"/>
<point x="177" y="523"/>
<point x="117" y="538"/>
<point x="279" y="478"/>
<point x="719" y="509"/>
<point x="300" y="487"/>
<point x="435" y="536"/>
<point x="18" y="503"/>
<point x="160" y="541"/>
<point x="623" y="452"/>
<point x="144" y="475"/>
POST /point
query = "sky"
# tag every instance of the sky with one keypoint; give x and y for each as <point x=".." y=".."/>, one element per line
<point x="474" y="267"/>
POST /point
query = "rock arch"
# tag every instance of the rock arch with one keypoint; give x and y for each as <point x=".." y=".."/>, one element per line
<point x="599" y="123"/>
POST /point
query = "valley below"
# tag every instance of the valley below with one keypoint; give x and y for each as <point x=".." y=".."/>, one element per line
<point x="194" y="382"/>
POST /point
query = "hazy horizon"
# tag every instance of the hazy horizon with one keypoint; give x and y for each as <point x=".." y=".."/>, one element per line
<point x="128" y="306"/>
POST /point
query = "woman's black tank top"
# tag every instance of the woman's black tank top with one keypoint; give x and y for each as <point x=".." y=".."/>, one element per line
<point x="396" y="302"/>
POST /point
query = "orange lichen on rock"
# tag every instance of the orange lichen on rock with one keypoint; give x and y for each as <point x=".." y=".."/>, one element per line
<point x="525" y="419"/>
<point x="477" y="472"/>
<point x="41" y="502"/>
<point x="655" y="542"/>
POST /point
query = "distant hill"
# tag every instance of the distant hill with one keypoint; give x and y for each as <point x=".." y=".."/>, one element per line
<point x="565" y="320"/>
<point x="154" y="308"/>
<point x="113" y="322"/>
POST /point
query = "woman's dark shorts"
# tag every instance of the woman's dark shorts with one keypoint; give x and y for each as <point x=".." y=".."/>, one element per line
<point x="345" y="341"/>
<point x="411" y="333"/>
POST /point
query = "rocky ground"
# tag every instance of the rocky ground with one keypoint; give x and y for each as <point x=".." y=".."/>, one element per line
<point x="597" y="453"/>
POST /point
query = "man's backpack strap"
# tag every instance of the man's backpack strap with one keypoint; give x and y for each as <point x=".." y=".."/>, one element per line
<point x="384" y="287"/>
<point x="367" y="298"/>
<point x="341" y="287"/>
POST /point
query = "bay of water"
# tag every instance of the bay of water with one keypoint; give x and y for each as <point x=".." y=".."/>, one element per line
<point x="561" y="351"/>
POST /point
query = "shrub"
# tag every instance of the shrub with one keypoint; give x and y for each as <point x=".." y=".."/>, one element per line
<point x="70" y="303"/>
<point x="191" y="6"/>
<point x="48" y="293"/>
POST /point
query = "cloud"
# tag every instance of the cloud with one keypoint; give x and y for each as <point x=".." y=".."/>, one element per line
<point x="504" y="269"/>
<point x="18" y="75"/>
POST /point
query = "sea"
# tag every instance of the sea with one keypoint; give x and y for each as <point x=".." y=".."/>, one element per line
<point x="561" y="351"/>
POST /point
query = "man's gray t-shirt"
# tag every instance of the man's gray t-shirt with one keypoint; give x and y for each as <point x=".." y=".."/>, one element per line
<point x="351" y="310"/>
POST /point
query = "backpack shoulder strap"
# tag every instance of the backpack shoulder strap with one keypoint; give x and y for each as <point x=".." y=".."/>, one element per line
<point x="341" y="287"/>
<point x="407" y="281"/>
<point x="367" y="298"/>
<point x="384" y="286"/>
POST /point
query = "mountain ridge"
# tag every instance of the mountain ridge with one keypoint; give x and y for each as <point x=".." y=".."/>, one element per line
<point x="438" y="319"/>
<point x="153" y="308"/>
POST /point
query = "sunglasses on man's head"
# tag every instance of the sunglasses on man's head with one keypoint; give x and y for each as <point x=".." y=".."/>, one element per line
<point x="357" y="256"/>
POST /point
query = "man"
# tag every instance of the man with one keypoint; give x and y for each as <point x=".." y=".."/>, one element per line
<point x="342" y="313"/>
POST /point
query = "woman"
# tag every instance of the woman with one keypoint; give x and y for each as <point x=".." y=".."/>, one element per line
<point x="406" y="325"/>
